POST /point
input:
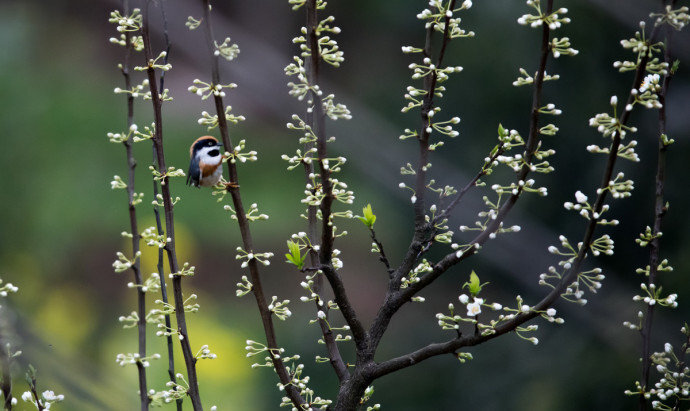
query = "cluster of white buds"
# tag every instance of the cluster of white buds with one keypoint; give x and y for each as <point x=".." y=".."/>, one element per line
<point x="152" y="239"/>
<point x="676" y="18"/>
<point x="154" y="64"/>
<point x="414" y="276"/>
<point x="562" y="47"/>
<point x="244" y="287"/>
<point x="151" y="285"/>
<point x="527" y="79"/>
<point x="618" y="187"/>
<point x="653" y="296"/>
<point x="171" y="172"/>
<point x="226" y="50"/>
<point x="134" y="358"/>
<point x="673" y="384"/>
<point x="262" y="258"/>
<point x="129" y="23"/>
<point x="123" y="263"/>
<point x="553" y="19"/>
<point x="137" y="90"/>
<point x="205" y="353"/>
<point x="206" y="90"/>
<point x="279" y="308"/>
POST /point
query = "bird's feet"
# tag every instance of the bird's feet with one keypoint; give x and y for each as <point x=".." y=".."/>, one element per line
<point x="230" y="185"/>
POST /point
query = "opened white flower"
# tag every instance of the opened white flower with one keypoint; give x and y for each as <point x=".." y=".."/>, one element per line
<point x="475" y="308"/>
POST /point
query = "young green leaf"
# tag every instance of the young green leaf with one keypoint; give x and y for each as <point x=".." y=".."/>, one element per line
<point x="474" y="286"/>
<point x="295" y="255"/>
<point x="369" y="218"/>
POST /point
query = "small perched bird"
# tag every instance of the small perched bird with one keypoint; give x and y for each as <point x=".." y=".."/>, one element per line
<point x="205" y="166"/>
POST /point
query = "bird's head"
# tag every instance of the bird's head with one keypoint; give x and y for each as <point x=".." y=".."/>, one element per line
<point x="205" y="148"/>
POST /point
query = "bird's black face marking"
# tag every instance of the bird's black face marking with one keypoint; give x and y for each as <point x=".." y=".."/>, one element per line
<point x="204" y="143"/>
<point x="214" y="153"/>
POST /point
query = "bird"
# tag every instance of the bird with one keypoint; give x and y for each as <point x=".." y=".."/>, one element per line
<point x="205" y="162"/>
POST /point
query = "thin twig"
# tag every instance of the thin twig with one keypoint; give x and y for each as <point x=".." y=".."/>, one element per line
<point x="382" y="253"/>
<point x="190" y="360"/>
<point x="420" y="224"/>
<point x="136" y="238"/>
<point x="257" y="288"/>
<point x="159" y="227"/>
<point x="472" y="183"/>
<point x="336" y="359"/>
<point x="659" y="212"/>
<point x="455" y="201"/>
<point x="327" y="239"/>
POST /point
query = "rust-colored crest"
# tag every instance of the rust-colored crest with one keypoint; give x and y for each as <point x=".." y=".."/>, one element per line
<point x="191" y="148"/>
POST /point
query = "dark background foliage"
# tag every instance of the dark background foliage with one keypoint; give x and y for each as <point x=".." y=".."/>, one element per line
<point x="60" y="222"/>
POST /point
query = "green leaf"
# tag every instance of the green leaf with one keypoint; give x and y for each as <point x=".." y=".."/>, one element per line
<point x="369" y="218"/>
<point x="474" y="286"/>
<point x="502" y="131"/>
<point x="295" y="255"/>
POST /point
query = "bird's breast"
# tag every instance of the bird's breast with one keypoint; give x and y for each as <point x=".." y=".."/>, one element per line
<point x="210" y="173"/>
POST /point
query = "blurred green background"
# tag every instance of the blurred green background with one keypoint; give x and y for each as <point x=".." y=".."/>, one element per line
<point x="60" y="221"/>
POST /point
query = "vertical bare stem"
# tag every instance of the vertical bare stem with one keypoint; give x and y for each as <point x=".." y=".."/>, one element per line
<point x="131" y="164"/>
<point x="159" y="228"/>
<point x="427" y="105"/>
<point x="257" y="288"/>
<point x="659" y="212"/>
<point x="316" y="119"/>
<point x="326" y="246"/>
<point x="190" y="360"/>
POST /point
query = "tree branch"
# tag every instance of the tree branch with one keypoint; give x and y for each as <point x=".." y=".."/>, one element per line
<point x="397" y="297"/>
<point x="453" y="345"/>
<point x="327" y="239"/>
<point x="159" y="227"/>
<point x="420" y="224"/>
<point x="131" y="165"/>
<point x="422" y="229"/>
<point x="257" y="288"/>
<point x="190" y="360"/>
<point x="336" y="359"/>
<point x="659" y="212"/>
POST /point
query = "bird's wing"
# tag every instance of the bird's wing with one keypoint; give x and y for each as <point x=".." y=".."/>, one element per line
<point x="194" y="173"/>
